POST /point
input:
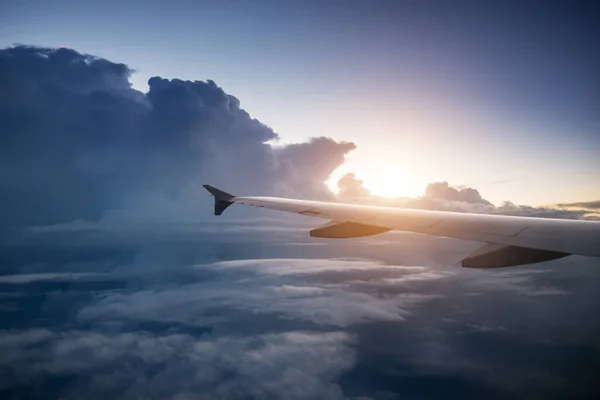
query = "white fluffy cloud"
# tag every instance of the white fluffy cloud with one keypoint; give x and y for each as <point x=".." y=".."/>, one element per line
<point x="302" y="266"/>
<point x="291" y="365"/>
<point x="276" y="286"/>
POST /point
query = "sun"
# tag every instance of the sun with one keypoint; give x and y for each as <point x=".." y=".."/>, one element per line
<point x="392" y="184"/>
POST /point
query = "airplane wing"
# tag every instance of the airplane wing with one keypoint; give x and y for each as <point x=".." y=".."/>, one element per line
<point x="509" y="240"/>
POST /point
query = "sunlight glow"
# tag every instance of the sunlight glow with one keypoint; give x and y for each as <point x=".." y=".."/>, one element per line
<point x="395" y="183"/>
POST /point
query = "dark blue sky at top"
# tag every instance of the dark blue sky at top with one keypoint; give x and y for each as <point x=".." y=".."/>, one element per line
<point x="345" y="69"/>
<point x="548" y="49"/>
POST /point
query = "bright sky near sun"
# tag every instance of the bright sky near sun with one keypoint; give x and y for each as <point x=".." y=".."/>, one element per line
<point x="503" y="99"/>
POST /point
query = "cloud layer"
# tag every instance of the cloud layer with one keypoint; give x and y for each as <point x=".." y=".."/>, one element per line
<point x="204" y="313"/>
<point x="442" y="196"/>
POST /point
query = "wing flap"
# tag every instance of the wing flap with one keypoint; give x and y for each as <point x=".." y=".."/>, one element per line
<point x="499" y="256"/>
<point x="346" y="230"/>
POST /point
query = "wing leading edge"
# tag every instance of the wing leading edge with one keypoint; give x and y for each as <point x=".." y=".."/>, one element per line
<point x="509" y="240"/>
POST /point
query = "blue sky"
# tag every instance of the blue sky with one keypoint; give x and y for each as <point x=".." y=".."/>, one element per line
<point x="499" y="96"/>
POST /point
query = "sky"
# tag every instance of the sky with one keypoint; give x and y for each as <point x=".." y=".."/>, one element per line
<point x="502" y="97"/>
<point x="117" y="281"/>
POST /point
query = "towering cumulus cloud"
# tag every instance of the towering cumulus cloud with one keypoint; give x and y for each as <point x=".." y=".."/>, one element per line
<point x="77" y="140"/>
<point x="443" y="191"/>
<point x="351" y="188"/>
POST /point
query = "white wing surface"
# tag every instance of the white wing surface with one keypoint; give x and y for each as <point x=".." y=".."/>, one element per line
<point x="509" y="240"/>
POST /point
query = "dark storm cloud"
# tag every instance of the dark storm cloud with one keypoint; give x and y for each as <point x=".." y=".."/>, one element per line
<point x="77" y="140"/>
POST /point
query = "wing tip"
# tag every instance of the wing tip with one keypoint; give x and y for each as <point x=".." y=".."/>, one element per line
<point x="222" y="199"/>
<point x="218" y="193"/>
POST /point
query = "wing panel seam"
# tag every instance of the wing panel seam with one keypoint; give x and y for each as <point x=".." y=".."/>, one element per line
<point x="435" y="223"/>
<point x="521" y="231"/>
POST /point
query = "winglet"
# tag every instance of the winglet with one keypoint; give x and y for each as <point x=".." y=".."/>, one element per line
<point x="222" y="199"/>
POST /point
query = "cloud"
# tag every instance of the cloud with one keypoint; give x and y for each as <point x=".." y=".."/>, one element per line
<point x="517" y="281"/>
<point x="290" y="365"/>
<point x="592" y="205"/>
<point x="437" y="196"/>
<point x="77" y="140"/>
<point x="179" y="324"/>
<point x="257" y="286"/>
<point x="442" y="196"/>
<point x="483" y="328"/>
<point x="312" y="163"/>
<point x="509" y="208"/>
<point x="291" y="266"/>
<point x="351" y="188"/>
<point x="443" y="191"/>
<point x="56" y="276"/>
